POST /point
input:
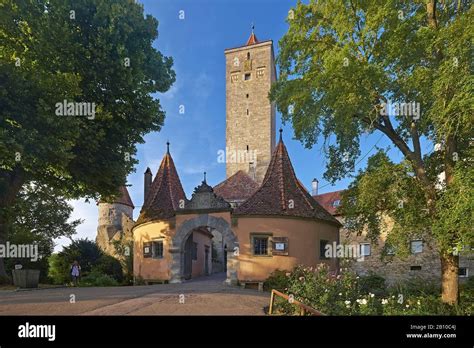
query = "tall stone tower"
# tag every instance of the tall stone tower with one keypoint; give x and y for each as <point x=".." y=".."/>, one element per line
<point x="250" y="117"/>
<point x="115" y="221"/>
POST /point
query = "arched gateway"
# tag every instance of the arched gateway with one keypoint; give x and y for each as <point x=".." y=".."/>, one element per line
<point x="177" y="248"/>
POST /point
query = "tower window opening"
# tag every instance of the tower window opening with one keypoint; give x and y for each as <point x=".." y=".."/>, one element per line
<point x="247" y="147"/>
<point x="247" y="77"/>
<point x="247" y="112"/>
<point x="247" y="95"/>
<point x="248" y="55"/>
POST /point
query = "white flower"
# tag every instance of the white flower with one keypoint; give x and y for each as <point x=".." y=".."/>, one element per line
<point x="326" y="290"/>
<point x="407" y="305"/>
<point x="384" y="301"/>
<point x="347" y="302"/>
<point x="362" y="301"/>
<point x="340" y="294"/>
<point x="418" y="302"/>
<point x="357" y="277"/>
<point x="371" y="295"/>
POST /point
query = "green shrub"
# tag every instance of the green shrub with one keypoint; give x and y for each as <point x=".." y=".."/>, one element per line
<point x="110" y="266"/>
<point x="373" y="283"/>
<point x="96" y="278"/>
<point x="277" y="280"/>
<point x="5" y="280"/>
<point x="90" y="258"/>
<point x="349" y="294"/>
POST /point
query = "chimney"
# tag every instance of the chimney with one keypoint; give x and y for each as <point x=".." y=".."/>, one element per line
<point x="148" y="178"/>
<point x="314" y="187"/>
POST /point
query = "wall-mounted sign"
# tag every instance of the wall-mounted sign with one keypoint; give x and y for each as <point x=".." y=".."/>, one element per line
<point x="280" y="246"/>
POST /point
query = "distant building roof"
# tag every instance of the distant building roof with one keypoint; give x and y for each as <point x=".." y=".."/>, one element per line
<point x="330" y="201"/>
<point x="165" y="193"/>
<point x="122" y="198"/>
<point x="239" y="186"/>
<point x="282" y="194"/>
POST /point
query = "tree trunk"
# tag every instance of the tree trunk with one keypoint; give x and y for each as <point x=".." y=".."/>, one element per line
<point x="449" y="281"/>
<point x="10" y="184"/>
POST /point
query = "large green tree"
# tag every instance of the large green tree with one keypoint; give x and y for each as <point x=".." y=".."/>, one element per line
<point x="341" y="60"/>
<point x="89" y="51"/>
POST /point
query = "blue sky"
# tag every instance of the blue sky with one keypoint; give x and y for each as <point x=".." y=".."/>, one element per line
<point x="197" y="45"/>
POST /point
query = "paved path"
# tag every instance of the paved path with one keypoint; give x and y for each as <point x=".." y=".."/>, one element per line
<point x="202" y="296"/>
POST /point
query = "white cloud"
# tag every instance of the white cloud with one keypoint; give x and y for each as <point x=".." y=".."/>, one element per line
<point x="88" y="229"/>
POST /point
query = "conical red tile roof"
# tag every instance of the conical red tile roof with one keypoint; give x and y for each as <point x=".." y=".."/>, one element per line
<point x="282" y="194"/>
<point x="165" y="193"/>
<point x="122" y="198"/>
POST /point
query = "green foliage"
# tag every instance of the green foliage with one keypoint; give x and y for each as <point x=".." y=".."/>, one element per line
<point x="96" y="278"/>
<point x="277" y="280"/>
<point x="90" y="258"/>
<point x="78" y="59"/>
<point x="124" y="252"/>
<point x="373" y="283"/>
<point x="41" y="216"/>
<point x="339" y="62"/>
<point x="349" y="294"/>
<point x="110" y="266"/>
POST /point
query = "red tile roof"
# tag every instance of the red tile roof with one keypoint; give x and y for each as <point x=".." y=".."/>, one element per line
<point x="122" y="198"/>
<point x="252" y="39"/>
<point x="327" y="201"/>
<point x="282" y="194"/>
<point x="239" y="186"/>
<point x="165" y="193"/>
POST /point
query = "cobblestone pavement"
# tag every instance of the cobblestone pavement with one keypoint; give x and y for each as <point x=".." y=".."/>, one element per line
<point x="201" y="296"/>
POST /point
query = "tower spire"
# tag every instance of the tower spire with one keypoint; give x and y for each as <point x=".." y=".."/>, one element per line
<point x="168" y="147"/>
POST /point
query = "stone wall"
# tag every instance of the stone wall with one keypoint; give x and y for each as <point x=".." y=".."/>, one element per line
<point x="250" y="117"/>
<point x="396" y="269"/>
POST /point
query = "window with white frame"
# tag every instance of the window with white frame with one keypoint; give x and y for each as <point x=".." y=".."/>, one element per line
<point x="416" y="246"/>
<point x="463" y="272"/>
<point x="364" y="249"/>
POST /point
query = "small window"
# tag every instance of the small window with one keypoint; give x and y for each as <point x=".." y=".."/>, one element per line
<point x="195" y="251"/>
<point x="247" y="147"/>
<point x="248" y="55"/>
<point x="365" y="249"/>
<point x="157" y="247"/>
<point x="463" y="272"/>
<point x="416" y="246"/>
<point x="247" y="95"/>
<point x="260" y="245"/>
<point x="247" y="112"/>
<point x="389" y="250"/>
<point x="247" y="76"/>
<point x="336" y="203"/>
<point x="415" y="268"/>
<point x="322" y="248"/>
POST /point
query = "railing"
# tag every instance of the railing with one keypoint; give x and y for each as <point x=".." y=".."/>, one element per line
<point x="303" y="308"/>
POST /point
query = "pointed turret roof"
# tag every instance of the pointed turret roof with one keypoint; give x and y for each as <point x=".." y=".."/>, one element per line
<point x="282" y="194"/>
<point x="239" y="186"/>
<point x="123" y="197"/>
<point x="165" y="193"/>
<point x="252" y="39"/>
